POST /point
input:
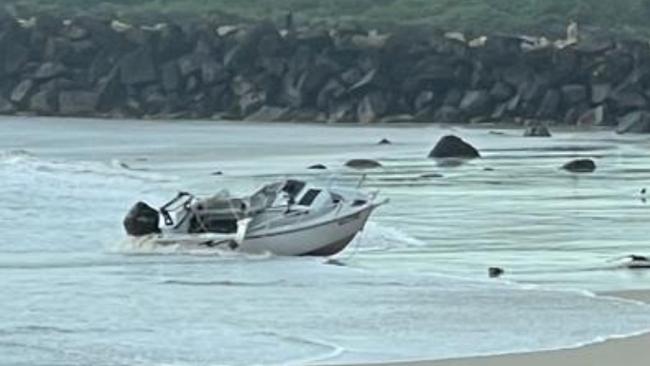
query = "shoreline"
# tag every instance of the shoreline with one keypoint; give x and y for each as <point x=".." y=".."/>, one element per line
<point x="611" y="352"/>
<point x="487" y="126"/>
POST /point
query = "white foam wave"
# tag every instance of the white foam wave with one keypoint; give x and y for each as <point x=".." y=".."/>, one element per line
<point x="378" y="237"/>
<point x="147" y="245"/>
<point x="25" y="161"/>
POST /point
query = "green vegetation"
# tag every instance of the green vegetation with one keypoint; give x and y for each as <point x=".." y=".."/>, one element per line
<point x="630" y="16"/>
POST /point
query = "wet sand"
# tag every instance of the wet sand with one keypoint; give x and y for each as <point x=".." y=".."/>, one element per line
<point x="626" y="351"/>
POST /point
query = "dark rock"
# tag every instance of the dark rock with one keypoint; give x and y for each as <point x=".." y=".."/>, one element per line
<point x="78" y="102"/>
<point x="363" y="164"/>
<point x="43" y="102"/>
<point x="501" y="92"/>
<point x="344" y="111"/>
<point x="49" y="70"/>
<point x="453" y="98"/>
<point x="333" y="89"/>
<point x="334" y="262"/>
<point x="21" y="91"/>
<point x="137" y="67"/>
<point x="495" y="272"/>
<point x="628" y="100"/>
<point x="533" y="90"/>
<point x="269" y="114"/>
<point x="170" y="76"/>
<point x="154" y="101"/>
<point x="513" y="104"/>
<point x="111" y="93"/>
<point x="219" y="172"/>
<point x="600" y="93"/>
<point x="15" y="56"/>
<point x="453" y="147"/>
<point x="447" y="114"/>
<point x="212" y="72"/>
<point x="190" y="64"/>
<point x="6" y="107"/>
<point x="251" y="102"/>
<point x="57" y="49"/>
<point x="476" y="103"/>
<point x="593" y="117"/>
<point x="574" y="94"/>
<point x="634" y="122"/>
<point x="537" y="130"/>
<point x="317" y="167"/>
<point x="75" y="32"/>
<point x="550" y="105"/>
<point x="384" y="141"/>
<point x="371" y="107"/>
<point x="424" y="100"/>
<point x="431" y="175"/>
<point x="367" y="81"/>
<point x="580" y="166"/>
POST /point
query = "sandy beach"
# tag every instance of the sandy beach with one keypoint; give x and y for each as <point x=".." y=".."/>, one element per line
<point x="627" y="351"/>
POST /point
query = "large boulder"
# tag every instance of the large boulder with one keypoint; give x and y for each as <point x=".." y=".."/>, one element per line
<point x="447" y="114"/>
<point x="49" y="70"/>
<point x="43" y="102"/>
<point x="269" y="114"/>
<point x="550" y="104"/>
<point x="634" y="122"/>
<point x="138" y="67"/>
<point x="476" y="103"/>
<point x="600" y="92"/>
<point x="251" y="102"/>
<point x="21" y="91"/>
<point x="170" y="76"/>
<point x="15" y="56"/>
<point x="501" y="92"/>
<point x="574" y="94"/>
<point x="363" y="164"/>
<point x="628" y="100"/>
<point x="423" y="101"/>
<point x="580" y="166"/>
<point x="593" y="117"/>
<point x="6" y="107"/>
<point x="454" y="147"/>
<point x="537" y="129"/>
<point x="78" y="102"/>
<point x="371" y="107"/>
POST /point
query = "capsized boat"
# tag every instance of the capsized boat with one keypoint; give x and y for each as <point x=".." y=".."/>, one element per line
<point x="289" y="218"/>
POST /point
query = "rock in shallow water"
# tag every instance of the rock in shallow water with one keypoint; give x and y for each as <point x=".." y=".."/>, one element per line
<point x="317" y="167"/>
<point x="454" y="147"/>
<point x="580" y="166"/>
<point x="495" y="272"/>
<point x="537" y="130"/>
<point x="363" y="164"/>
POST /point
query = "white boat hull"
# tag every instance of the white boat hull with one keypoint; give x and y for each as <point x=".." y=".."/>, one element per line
<point x="319" y="239"/>
<point x="323" y="238"/>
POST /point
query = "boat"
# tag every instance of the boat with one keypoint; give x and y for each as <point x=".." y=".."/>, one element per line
<point x="286" y="218"/>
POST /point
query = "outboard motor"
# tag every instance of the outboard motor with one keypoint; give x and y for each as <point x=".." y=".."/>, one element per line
<point x="141" y="220"/>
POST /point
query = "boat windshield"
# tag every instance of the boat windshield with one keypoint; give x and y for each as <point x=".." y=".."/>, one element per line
<point x="265" y="196"/>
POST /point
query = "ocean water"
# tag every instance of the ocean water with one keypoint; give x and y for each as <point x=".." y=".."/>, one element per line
<point x="73" y="291"/>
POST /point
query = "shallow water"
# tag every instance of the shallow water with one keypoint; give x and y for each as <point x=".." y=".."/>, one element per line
<point x="74" y="293"/>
